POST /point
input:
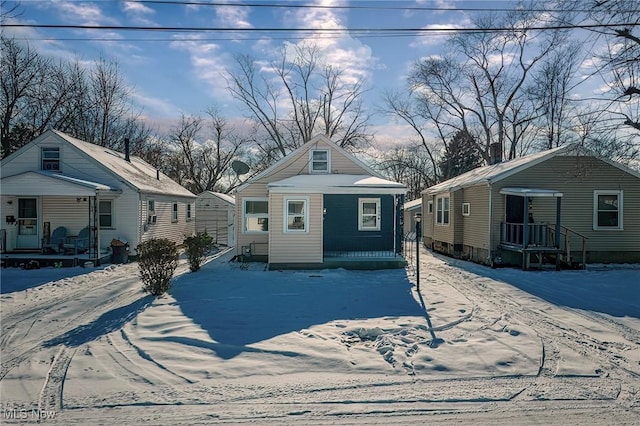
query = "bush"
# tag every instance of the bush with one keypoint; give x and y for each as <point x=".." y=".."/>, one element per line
<point x="157" y="261"/>
<point x="197" y="247"/>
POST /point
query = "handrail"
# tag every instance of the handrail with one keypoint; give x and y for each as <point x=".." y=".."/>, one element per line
<point x="567" y="242"/>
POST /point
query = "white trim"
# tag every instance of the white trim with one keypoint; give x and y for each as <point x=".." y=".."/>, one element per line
<point x="244" y="222"/>
<point x="468" y="209"/>
<point x="312" y="161"/>
<point x="620" y="196"/>
<point x="305" y="215"/>
<point x="377" y="214"/>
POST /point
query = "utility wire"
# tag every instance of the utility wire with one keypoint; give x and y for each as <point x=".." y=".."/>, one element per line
<point x="315" y="30"/>
<point x="350" y="7"/>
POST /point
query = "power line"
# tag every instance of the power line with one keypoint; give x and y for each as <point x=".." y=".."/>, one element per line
<point x="349" y="7"/>
<point x="314" y="30"/>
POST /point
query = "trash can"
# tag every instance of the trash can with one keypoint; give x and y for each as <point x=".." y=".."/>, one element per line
<point x="119" y="251"/>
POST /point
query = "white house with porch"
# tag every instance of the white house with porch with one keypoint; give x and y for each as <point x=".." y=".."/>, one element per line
<point x="57" y="181"/>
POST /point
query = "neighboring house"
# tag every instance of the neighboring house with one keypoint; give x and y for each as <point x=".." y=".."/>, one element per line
<point x="215" y="215"/>
<point x="57" y="180"/>
<point x="320" y="207"/>
<point x="411" y="208"/>
<point x="564" y="205"/>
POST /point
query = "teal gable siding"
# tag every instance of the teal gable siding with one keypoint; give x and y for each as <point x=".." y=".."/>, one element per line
<point x="341" y="224"/>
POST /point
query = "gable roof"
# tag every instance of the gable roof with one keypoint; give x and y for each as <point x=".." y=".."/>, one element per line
<point x="293" y="155"/>
<point x="51" y="183"/>
<point x="224" y="197"/>
<point x="496" y="172"/>
<point x="410" y="205"/>
<point x="137" y="173"/>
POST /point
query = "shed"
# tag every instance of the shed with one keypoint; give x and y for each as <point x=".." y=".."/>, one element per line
<point x="215" y="215"/>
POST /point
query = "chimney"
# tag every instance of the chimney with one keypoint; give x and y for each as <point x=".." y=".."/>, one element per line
<point x="126" y="150"/>
<point x="495" y="151"/>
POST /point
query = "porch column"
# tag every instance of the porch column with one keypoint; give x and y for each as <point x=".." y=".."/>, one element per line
<point x="525" y="231"/>
<point x="558" y="203"/>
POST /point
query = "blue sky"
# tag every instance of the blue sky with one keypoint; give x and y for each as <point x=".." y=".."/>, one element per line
<point x="183" y="72"/>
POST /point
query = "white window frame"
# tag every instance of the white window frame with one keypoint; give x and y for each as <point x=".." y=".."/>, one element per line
<point x="361" y="215"/>
<point x="50" y="159"/>
<point x="258" y="215"/>
<point x="312" y="170"/>
<point x="189" y="210"/>
<point x="430" y="207"/>
<point x="110" y="214"/>
<point x="596" y="226"/>
<point x="466" y="209"/>
<point x="174" y="212"/>
<point x="305" y="215"/>
<point x="440" y="210"/>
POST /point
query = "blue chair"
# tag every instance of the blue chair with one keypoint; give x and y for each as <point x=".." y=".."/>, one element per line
<point x="57" y="240"/>
<point x="80" y="243"/>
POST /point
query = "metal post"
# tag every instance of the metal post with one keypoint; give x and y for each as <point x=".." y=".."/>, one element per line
<point x="418" y="218"/>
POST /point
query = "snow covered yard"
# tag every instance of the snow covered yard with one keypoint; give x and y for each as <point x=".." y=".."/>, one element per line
<point x="238" y="344"/>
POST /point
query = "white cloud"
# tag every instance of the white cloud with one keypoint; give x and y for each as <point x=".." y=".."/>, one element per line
<point x="136" y="7"/>
<point x="209" y="64"/>
<point x="86" y="13"/>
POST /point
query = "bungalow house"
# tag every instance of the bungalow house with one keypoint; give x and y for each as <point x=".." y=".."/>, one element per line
<point x="320" y="207"/>
<point x="563" y="205"/>
<point x="57" y="181"/>
<point x="215" y="215"/>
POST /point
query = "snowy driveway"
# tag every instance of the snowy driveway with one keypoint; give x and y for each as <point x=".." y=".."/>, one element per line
<point x="232" y="344"/>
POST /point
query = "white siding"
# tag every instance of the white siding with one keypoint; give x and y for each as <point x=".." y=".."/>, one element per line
<point x="295" y="247"/>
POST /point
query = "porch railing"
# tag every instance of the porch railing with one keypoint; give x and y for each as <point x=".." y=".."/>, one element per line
<point x="544" y="235"/>
<point x="513" y="234"/>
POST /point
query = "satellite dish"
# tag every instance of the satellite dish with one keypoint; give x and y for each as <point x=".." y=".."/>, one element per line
<point x="239" y="167"/>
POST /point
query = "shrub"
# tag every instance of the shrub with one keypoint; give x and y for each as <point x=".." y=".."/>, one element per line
<point x="197" y="247"/>
<point x="157" y="261"/>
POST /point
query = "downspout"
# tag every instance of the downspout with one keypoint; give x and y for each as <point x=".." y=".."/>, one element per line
<point x="395" y="222"/>
<point x="490" y="224"/>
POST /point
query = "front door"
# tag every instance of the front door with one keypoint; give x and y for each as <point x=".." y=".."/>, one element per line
<point x="27" y="237"/>
<point x="514" y="209"/>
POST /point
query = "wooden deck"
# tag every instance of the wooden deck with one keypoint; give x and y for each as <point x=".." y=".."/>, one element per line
<point x="18" y="259"/>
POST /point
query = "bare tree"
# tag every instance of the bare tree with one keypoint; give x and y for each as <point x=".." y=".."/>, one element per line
<point x="201" y="150"/>
<point x="551" y="91"/>
<point x="409" y="165"/>
<point x="297" y="96"/>
<point x="620" y="63"/>
<point x="22" y="72"/>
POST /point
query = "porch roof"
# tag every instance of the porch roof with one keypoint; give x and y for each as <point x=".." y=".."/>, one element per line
<point x="531" y="192"/>
<point x="36" y="183"/>
<point x="334" y="183"/>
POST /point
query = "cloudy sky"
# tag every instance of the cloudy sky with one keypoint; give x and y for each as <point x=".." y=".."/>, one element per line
<point x="175" y="72"/>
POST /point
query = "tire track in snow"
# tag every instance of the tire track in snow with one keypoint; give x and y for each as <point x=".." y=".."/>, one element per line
<point x="52" y="389"/>
<point x="547" y="328"/>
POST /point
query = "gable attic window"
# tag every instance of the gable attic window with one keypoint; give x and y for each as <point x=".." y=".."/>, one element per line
<point x="319" y="161"/>
<point x="50" y="158"/>
<point x="255" y="215"/>
<point x="607" y="210"/>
